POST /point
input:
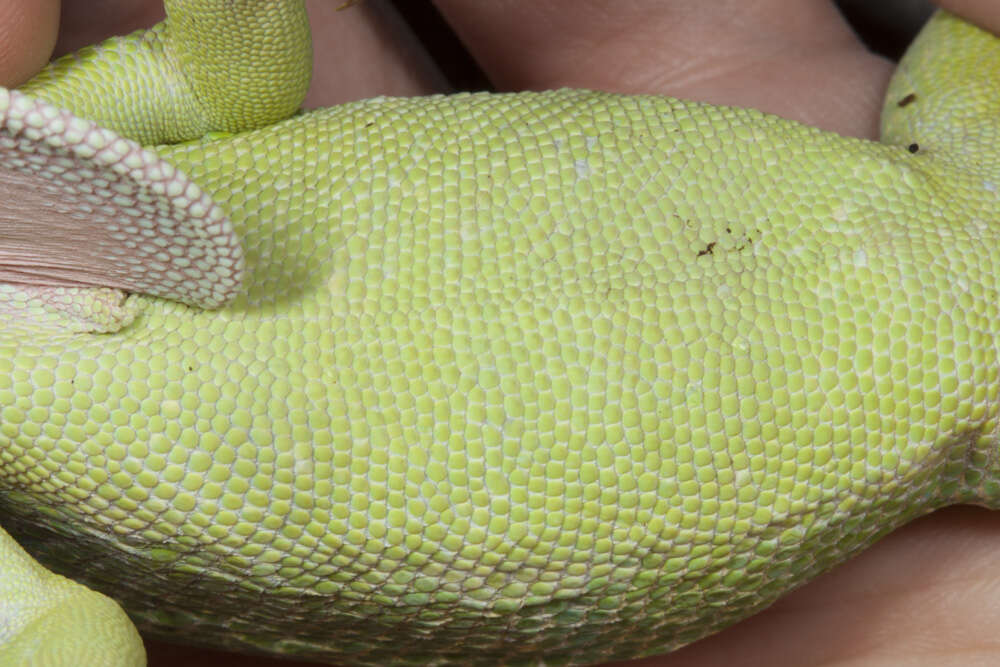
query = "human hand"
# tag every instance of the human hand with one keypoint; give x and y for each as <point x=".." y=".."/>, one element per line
<point x="765" y="54"/>
<point x="923" y="595"/>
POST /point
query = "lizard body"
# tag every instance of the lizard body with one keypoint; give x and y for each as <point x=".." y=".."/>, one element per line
<point x="568" y="375"/>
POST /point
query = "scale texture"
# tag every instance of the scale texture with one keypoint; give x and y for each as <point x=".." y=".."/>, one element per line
<point x="563" y="375"/>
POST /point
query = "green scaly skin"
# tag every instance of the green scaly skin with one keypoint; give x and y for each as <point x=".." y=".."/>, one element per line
<point x="571" y="376"/>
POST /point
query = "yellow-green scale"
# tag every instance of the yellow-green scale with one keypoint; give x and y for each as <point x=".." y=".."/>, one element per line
<point x="615" y="368"/>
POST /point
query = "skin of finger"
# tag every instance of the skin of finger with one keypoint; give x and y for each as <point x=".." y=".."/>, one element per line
<point x="764" y="54"/>
<point x="526" y="43"/>
<point x="27" y="36"/>
<point x="85" y="22"/>
<point x="364" y="51"/>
